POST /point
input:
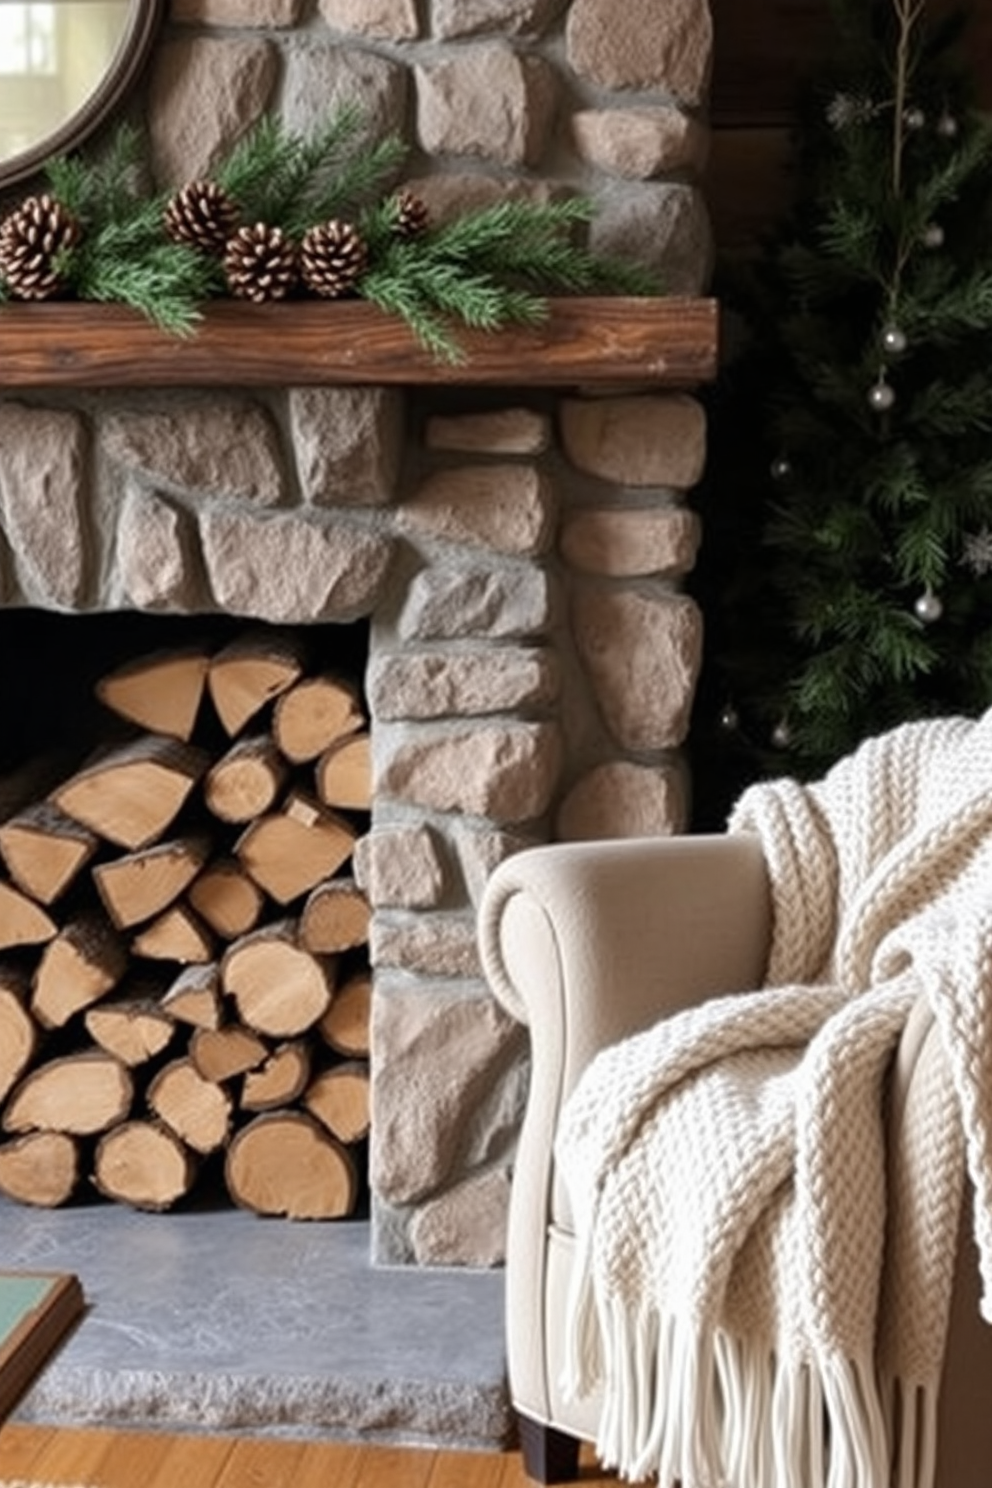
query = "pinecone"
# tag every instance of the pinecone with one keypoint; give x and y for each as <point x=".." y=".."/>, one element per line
<point x="260" y="263"/>
<point x="202" y="215"/>
<point x="412" y="216"/>
<point x="31" y="239"/>
<point x="333" y="257"/>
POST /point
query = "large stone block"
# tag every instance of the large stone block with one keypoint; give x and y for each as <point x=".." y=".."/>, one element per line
<point x="664" y="228"/>
<point x="204" y="95"/>
<point x="260" y="13"/>
<point x="433" y="945"/>
<point x="43" y="493"/>
<point x="509" y="508"/>
<point x="384" y="20"/>
<point x="621" y="799"/>
<point x="505" y="772"/>
<point x="154" y="567"/>
<point x="504" y="431"/>
<point x="639" y="144"/>
<point x="215" y="447"/>
<point x="466" y="1225"/>
<point x="623" y="544"/>
<point x="529" y="18"/>
<point x="446" y="604"/>
<point x="488" y="101"/>
<point x="348" y="443"/>
<point x="401" y="867"/>
<point x="320" y="80"/>
<point x="651" y="440"/>
<point x="643" y="44"/>
<point x="482" y="849"/>
<point x="438" y="684"/>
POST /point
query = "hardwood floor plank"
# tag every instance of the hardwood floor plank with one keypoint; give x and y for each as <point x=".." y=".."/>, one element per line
<point x="151" y="1459"/>
<point x="19" y="1446"/>
<point x="395" y="1467"/>
<point x="72" y="1456"/>
<point x="329" y="1465"/>
<point x="466" y="1470"/>
<point x="262" y="1463"/>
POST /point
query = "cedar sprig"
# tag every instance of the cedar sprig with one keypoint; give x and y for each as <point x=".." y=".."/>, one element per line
<point x="167" y="282"/>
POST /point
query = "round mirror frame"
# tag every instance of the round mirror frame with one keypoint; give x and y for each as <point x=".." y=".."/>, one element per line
<point x="130" y="57"/>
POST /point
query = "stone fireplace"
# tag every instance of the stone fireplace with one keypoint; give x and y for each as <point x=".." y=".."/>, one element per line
<point x="513" y="533"/>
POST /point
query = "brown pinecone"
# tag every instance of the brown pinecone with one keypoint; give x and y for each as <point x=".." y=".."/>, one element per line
<point x="333" y="257"/>
<point x="31" y="239"/>
<point x="260" y="263"/>
<point x="202" y="215"/>
<point x="412" y="216"/>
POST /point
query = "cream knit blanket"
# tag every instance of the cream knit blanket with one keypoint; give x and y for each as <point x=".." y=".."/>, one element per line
<point x="760" y="1289"/>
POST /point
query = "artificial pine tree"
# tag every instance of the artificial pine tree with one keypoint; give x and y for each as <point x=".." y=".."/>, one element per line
<point x="847" y="580"/>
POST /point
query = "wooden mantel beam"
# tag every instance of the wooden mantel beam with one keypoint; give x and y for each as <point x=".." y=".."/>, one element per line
<point x="668" y="341"/>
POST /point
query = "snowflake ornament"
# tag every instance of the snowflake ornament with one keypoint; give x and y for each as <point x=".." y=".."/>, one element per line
<point x="976" y="552"/>
<point x="846" y="109"/>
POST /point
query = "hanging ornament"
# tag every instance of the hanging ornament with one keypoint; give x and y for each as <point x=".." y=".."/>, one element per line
<point x="729" y="720"/>
<point x="781" y="735"/>
<point x="947" y="126"/>
<point x="933" y="236"/>
<point x="780" y="468"/>
<point x="894" y="340"/>
<point x="846" y="109"/>
<point x="882" y="396"/>
<point x="976" y="552"/>
<point x="914" y="118"/>
<point x="928" y="607"/>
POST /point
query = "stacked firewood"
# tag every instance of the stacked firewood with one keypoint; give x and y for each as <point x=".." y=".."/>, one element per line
<point x="183" y="953"/>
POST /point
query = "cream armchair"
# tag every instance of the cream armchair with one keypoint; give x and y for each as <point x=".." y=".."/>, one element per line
<point x="586" y="943"/>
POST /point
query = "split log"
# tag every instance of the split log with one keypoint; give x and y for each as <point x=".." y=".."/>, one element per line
<point x="246" y="781"/>
<point x="131" y="794"/>
<point x="288" y="852"/>
<point x="45" y="850"/>
<point x="18" y="1030"/>
<point x="343" y="773"/>
<point x="132" y="1025"/>
<point x="160" y="692"/>
<point x="339" y="1098"/>
<point x="138" y="885"/>
<point x="280" y="989"/>
<point x="280" y="1081"/>
<point x="284" y="1162"/>
<point x="40" y="1168"/>
<point x="335" y="917"/>
<point x="346" y="1026"/>
<point x="249" y="672"/>
<point x="22" y="922"/>
<point x="194" y="996"/>
<point x="84" y="962"/>
<point x="32" y="780"/>
<point x="80" y="1094"/>
<point x="177" y="935"/>
<point x="228" y="899"/>
<point x="222" y="1053"/>
<point x="315" y="713"/>
<point x="144" y="1164"/>
<point x="196" y="1109"/>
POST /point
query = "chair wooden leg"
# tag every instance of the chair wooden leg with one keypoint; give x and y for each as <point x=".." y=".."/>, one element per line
<point x="550" y="1456"/>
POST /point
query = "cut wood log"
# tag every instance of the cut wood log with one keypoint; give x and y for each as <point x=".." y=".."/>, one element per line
<point x="32" y="780"/>
<point x="196" y="1109"/>
<point x="313" y="714"/>
<point x="280" y="989"/>
<point x="80" y="1094"/>
<point x="228" y="898"/>
<point x="177" y="935"/>
<point x="131" y="794"/>
<point x="340" y="1100"/>
<point x="22" y="922"/>
<point x="143" y="1164"/>
<point x="223" y="1053"/>
<point x="45" y="850"/>
<point x="246" y="781"/>
<point x="18" y="1030"/>
<point x="280" y="1081"/>
<point x="194" y="996"/>
<point x="40" y="1168"/>
<point x="288" y="852"/>
<point x="284" y="1162"/>
<point x="138" y="885"/>
<point x="84" y="962"/>
<point x="343" y="773"/>
<point x="161" y="692"/>
<point x="249" y="672"/>
<point x="335" y="917"/>
<point x="132" y="1024"/>
<point x="346" y="1025"/>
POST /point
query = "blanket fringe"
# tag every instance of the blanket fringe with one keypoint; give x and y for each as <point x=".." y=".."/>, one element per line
<point x="914" y="1408"/>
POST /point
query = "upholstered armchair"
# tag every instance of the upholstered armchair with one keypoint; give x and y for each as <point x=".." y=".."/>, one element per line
<point x="587" y="943"/>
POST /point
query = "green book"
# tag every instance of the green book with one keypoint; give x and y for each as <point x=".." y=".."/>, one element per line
<point x="37" y="1308"/>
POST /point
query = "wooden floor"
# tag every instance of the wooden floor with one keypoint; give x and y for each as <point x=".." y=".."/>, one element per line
<point x="134" y="1459"/>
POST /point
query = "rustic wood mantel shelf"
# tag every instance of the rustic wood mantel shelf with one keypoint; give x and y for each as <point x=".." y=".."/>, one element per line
<point x="666" y="341"/>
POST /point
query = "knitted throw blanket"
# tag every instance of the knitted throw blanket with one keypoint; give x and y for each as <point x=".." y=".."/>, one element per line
<point x="760" y="1289"/>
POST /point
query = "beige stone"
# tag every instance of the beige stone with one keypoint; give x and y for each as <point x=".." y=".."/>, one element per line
<point x="653" y="440"/>
<point x="154" y="568"/>
<point x="400" y="867"/>
<point x="204" y="94"/>
<point x="643" y="657"/>
<point x="507" y="17"/>
<point x="321" y="79"/>
<point x="664" y="228"/>
<point x="488" y="101"/>
<point x="433" y="945"/>
<point x="639" y="144"/>
<point x="348" y="443"/>
<point x="214" y="447"/>
<point x="435" y="684"/>
<point x="290" y="570"/>
<point x="623" y="544"/>
<point x="261" y="13"/>
<point x="383" y="20"/>
<point x="507" y="431"/>
<point x="466" y="1225"/>
<point x="643" y="44"/>
<point x="505" y="772"/>
<point x="621" y="799"/>
<point x="43" y="489"/>
<point x="509" y="508"/>
<point x="481" y="850"/>
<point x="444" y="604"/>
<point x="442" y="1059"/>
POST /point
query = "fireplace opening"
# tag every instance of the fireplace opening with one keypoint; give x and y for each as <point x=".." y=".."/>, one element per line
<point x="185" y="984"/>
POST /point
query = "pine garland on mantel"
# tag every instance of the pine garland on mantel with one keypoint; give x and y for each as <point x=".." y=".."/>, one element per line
<point x="289" y="217"/>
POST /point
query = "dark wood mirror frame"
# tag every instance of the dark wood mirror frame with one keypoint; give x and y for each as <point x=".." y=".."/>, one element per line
<point x="132" y="53"/>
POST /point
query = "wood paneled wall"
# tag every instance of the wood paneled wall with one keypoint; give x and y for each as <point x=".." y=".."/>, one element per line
<point x="764" y="49"/>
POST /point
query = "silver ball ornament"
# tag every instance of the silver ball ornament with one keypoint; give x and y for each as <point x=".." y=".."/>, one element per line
<point x="947" y="126"/>
<point x="894" y="340"/>
<point x="781" y="468"/>
<point x="933" y="236"/>
<point x="914" y="118"/>
<point x="781" y="735"/>
<point x="928" y="607"/>
<point x="881" y="397"/>
<point x="730" y="719"/>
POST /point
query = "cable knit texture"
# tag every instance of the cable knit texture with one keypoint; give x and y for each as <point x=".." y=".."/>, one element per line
<point x="761" y="1288"/>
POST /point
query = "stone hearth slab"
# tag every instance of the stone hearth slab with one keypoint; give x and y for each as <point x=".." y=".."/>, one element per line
<point x="214" y="1319"/>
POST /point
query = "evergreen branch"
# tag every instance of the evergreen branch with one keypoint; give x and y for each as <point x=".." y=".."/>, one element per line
<point x="347" y="189"/>
<point x="396" y="296"/>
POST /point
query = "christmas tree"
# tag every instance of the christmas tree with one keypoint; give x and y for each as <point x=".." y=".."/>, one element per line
<point x="847" y="572"/>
